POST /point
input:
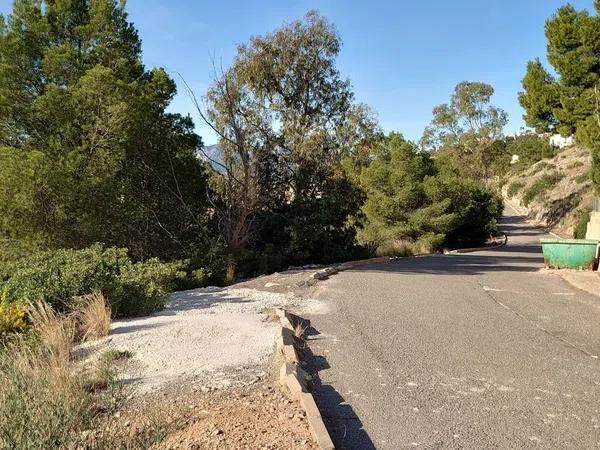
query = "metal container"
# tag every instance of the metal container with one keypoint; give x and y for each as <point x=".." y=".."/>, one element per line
<point x="570" y="253"/>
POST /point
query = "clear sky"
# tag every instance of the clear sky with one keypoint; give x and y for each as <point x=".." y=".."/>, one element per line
<point x="402" y="56"/>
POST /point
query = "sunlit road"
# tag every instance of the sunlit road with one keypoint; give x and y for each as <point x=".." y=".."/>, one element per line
<point x="478" y="350"/>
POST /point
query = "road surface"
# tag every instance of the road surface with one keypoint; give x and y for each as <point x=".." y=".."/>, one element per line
<point x="479" y="351"/>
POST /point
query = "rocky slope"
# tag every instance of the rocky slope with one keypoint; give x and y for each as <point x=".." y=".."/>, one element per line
<point x="553" y="193"/>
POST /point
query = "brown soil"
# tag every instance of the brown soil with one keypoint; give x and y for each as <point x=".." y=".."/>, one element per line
<point x="255" y="417"/>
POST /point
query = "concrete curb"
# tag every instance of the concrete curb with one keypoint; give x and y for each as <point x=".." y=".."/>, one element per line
<point x="478" y="249"/>
<point x="295" y="379"/>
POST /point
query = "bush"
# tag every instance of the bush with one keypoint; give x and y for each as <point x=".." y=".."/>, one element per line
<point x="412" y="197"/>
<point x="582" y="222"/>
<point x="143" y="288"/>
<point x="543" y="184"/>
<point x="530" y="148"/>
<point x="12" y="319"/>
<point x="62" y="277"/>
<point x="583" y="178"/>
<point x="514" y="187"/>
<point x="575" y="165"/>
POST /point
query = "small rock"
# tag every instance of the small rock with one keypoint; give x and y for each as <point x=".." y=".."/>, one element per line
<point x="321" y="275"/>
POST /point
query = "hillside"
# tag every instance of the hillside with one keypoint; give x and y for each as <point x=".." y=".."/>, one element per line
<point x="554" y="193"/>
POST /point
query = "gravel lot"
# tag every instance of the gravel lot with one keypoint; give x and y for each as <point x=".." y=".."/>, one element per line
<point x="215" y="337"/>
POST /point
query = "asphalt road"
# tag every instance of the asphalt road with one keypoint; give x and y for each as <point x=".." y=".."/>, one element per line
<point x="480" y="350"/>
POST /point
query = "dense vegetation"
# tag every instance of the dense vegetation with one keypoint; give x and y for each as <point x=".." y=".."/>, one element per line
<point x="414" y="197"/>
<point x="102" y="189"/>
<point x="108" y="202"/>
<point x="569" y="102"/>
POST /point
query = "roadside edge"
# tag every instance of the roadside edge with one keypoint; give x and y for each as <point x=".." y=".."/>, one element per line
<point x="293" y="377"/>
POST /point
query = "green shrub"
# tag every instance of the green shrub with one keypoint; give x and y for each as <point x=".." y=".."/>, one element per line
<point x="200" y="277"/>
<point x="514" y="187"/>
<point x="12" y="319"/>
<point x="143" y="288"/>
<point x="543" y="184"/>
<point x="581" y="226"/>
<point x="583" y="178"/>
<point x="575" y="165"/>
<point x="59" y="277"/>
<point x="530" y="148"/>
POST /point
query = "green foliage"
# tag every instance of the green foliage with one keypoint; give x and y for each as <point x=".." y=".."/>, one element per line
<point x="411" y="197"/>
<point x="583" y="217"/>
<point x="60" y="277"/>
<point x="539" y="98"/>
<point x="582" y="178"/>
<point x="144" y="287"/>
<point x="530" y="148"/>
<point x="88" y="152"/>
<point x="568" y="104"/>
<point x="12" y="319"/>
<point x="286" y="118"/>
<point x="542" y="185"/>
<point x="514" y="187"/>
<point x="469" y="129"/>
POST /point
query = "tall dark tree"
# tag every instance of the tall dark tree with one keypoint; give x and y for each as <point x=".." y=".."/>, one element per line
<point x="89" y="153"/>
<point x="569" y="103"/>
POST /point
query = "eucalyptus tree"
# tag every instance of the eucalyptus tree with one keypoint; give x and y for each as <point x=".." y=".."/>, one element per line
<point x="286" y="119"/>
<point x="468" y="127"/>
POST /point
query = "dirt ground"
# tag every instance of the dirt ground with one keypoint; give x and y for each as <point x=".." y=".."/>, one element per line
<point x="261" y="416"/>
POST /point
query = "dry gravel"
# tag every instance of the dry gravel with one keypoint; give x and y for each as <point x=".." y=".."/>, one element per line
<point x="221" y="337"/>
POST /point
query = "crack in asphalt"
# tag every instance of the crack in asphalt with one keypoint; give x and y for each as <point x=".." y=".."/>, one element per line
<point x="566" y="342"/>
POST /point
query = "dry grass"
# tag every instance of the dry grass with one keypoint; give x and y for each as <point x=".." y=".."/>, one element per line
<point x="43" y="402"/>
<point x="46" y="401"/>
<point x="56" y="332"/>
<point x="401" y="248"/>
<point x="93" y="317"/>
<point x="300" y="330"/>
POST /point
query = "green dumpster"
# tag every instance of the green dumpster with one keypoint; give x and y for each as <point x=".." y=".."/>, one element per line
<point x="570" y="253"/>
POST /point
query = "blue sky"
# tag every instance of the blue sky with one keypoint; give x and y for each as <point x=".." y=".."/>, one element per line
<point x="403" y="57"/>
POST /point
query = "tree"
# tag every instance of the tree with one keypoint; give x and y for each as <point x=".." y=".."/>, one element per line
<point x="87" y="124"/>
<point x="416" y="198"/>
<point x="467" y="127"/>
<point x="539" y="98"/>
<point x="286" y="119"/>
<point x="568" y="104"/>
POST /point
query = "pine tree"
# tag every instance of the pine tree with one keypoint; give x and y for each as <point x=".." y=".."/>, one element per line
<point x="569" y="103"/>
<point x="88" y="152"/>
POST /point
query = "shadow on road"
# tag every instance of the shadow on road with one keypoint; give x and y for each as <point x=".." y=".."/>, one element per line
<point x="522" y="253"/>
<point x="344" y="426"/>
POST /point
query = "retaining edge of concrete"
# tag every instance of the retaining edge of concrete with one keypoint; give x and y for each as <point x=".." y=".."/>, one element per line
<point x="478" y="249"/>
<point x="293" y="377"/>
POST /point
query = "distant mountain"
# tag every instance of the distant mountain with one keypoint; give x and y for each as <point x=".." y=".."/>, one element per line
<point x="214" y="154"/>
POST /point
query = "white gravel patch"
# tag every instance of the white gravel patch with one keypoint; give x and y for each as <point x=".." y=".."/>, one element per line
<point x="210" y="333"/>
